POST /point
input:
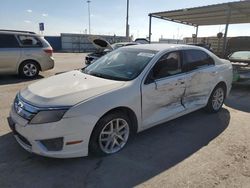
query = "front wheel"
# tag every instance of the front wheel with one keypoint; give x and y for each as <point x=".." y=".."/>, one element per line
<point x="216" y="99"/>
<point x="110" y="135"/>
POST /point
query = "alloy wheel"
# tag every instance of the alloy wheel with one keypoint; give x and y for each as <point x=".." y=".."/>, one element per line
<point x="114" y="136"/>
<point x="218" y="98"/>
<point x="29" y="70"/>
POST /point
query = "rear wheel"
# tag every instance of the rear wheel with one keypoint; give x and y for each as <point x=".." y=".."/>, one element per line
<point x="29" y="69"/>
<point x="111" y="134"/>
<point x="216" y="99"/>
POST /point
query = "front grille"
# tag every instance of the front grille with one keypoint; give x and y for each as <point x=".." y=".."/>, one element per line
<point x="24" y="109"/>
<point x="28" y="111"/>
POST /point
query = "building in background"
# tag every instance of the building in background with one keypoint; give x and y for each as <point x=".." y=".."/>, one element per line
<point x="69" y="42"/>
<point x="171" y="41"/>
<point x="215" y="42"/>
<point x="55" y="42"/>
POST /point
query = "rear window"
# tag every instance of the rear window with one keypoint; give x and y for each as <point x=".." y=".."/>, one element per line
<point x="194" y="59"/>
<point x="29" y="41"/>
<point x="8" y="41"/>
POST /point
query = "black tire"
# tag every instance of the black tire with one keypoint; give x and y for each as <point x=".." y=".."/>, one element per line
<point x="210" y="107"/>
<point x="94" y="144"/>
<point x="29" y="69"/>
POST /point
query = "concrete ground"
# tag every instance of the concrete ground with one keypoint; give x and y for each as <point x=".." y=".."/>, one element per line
<point x="197" y="150"/>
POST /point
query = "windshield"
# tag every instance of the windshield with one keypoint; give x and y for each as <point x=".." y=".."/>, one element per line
<point x="122" y="64"/>
<point x="241" y="55"/>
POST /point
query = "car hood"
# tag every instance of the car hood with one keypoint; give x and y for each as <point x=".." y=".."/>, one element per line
<point x="67" y="89"/>
<point x="100" y="43"/>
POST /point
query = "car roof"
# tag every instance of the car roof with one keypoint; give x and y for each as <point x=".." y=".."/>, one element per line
<point x="163" y="47"/>
<point x="18" y="32"/>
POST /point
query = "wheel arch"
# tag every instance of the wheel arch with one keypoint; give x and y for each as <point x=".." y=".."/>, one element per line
<point x="223" y="84"/>
<point x="220" y="83"/>
<point x="28" y="60"/>
<point x="129" y="112"/>
<point x="208" y="106"/>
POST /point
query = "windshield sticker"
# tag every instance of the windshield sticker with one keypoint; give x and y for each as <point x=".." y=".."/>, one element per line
<point x="143" y="54"/>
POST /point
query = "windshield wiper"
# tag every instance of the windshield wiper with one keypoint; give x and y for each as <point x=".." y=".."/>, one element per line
<point x="96" y="74"/>
<point x="106" y="76"/>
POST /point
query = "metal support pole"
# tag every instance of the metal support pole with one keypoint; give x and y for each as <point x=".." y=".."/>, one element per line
<point x="89" y="14"/>
<point x="127" y="25"/>
<point x="225" y="40"/>
<point x="149" y="33"/>
<point x="197" y="29"/>
<point x="225" y="34"/>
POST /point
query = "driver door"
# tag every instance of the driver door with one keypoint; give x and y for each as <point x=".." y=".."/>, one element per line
<point x="163" y="90"/>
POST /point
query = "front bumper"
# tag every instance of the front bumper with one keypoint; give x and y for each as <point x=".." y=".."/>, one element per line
<point x="241" y="73"/>
<point x="40" y="138"/>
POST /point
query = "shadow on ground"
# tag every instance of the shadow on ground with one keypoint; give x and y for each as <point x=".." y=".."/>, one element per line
<point x="15" y="79"/>
<point x="149" y="154"/>
<point x="239" y="98"/>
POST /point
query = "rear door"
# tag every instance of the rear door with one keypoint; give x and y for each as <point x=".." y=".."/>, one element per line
<point x="163" y="90"/>
<point x="9" y="53"/>
<point x="201" y="76"/>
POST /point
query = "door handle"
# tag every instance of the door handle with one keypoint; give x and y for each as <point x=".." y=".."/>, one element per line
<point x="181" y="81"/>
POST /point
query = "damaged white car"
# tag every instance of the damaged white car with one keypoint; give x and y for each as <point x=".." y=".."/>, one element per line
<point x="97" y="109"/>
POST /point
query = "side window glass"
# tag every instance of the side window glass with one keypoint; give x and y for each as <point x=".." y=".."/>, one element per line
<point x="29" y="41"/>
<point x="194" y="59"/>
<point x="8" y="41"/>
<point x="168" y="65"/>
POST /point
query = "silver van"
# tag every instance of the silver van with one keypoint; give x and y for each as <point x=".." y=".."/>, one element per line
<point x="24" y="53"/>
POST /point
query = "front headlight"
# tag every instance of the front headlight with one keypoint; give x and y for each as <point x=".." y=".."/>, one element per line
<point x="48" y="116"/>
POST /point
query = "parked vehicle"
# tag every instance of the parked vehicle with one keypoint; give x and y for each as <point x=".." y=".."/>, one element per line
<point x="103" y="47"/>
<point x="98" y="109"/>
<point x="236" y="44"/>
<point x="24" y="53"/>
<point x="142" y="41"/>
<point x="241" y="66"/>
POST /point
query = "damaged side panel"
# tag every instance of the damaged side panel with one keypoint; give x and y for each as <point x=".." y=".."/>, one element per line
<point x="199" y="84"/>
<point x="162" y="99"/>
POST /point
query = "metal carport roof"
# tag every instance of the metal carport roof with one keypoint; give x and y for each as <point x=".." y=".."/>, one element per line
<point x="225" y="13"/>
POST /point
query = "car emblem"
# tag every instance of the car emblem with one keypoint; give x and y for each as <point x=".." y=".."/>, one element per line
<point x="19" y="107"/>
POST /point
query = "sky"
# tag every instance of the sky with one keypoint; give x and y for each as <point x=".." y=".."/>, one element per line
<point x="107" y="17"/>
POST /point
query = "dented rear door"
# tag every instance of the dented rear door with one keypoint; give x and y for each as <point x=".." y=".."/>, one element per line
<point x="201" y="76"/>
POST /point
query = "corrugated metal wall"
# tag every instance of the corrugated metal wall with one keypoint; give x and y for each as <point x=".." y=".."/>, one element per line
<point x="80" y="42"/>
<point x="55" y="42"/>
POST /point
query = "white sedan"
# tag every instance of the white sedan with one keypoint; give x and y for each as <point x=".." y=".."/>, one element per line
<point x="97" y="110"/>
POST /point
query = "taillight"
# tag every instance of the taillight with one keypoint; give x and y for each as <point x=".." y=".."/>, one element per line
<point x="48" y="51"/>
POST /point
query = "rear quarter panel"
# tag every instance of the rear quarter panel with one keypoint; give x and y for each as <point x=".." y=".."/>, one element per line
<point x="225" y="73"/>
